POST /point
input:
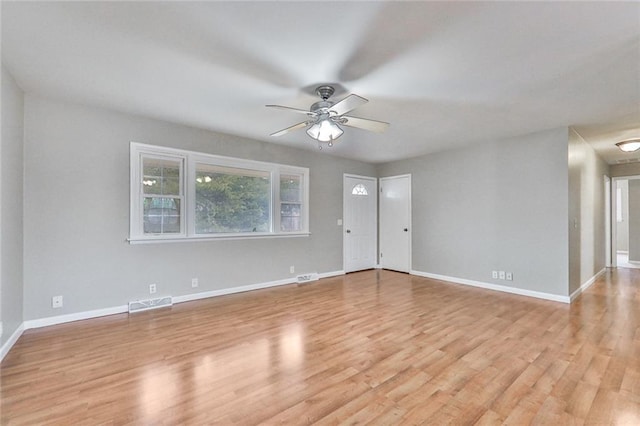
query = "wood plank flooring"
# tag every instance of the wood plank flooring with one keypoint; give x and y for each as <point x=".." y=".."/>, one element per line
<point x="372" y="347"/>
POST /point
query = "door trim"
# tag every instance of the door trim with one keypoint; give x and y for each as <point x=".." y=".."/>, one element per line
<point x="608" y="228"/>
<point x="614" y="209"/>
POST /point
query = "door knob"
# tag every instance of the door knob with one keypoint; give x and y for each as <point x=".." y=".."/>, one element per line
<point x="348" y="231"/>
<point x="406" y="229"/>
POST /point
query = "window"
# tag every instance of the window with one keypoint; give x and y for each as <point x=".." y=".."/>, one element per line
<point x="290" y="202"/>
<point x="178" y="195"/>
<point x="359" y="189"/>
<point x="232" y="200"/>
<point x="162" y="195"/>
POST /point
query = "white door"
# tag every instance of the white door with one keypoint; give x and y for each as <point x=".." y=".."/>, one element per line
<point x="395" y="223"/>
<point x="360" y="222"/>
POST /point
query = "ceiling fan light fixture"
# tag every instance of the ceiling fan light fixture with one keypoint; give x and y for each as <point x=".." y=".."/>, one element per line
<point x="325" y="117"/>
<point x="325" y="131"/>
<point x="630" y="145"/>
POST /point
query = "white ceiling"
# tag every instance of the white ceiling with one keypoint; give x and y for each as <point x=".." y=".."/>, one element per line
<point x="444" y="74"/>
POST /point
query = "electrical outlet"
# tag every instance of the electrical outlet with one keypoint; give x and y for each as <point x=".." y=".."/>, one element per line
<point x="494" y="274"/>
<point x="292" y="269"/>
<point x="152" y="288"/>
<point x="339" y="222"/>
<point x="194" y="282"/>
<point x="56" y="302"/>
<point x="501" y="275"/>
<point x="509" y="276"/>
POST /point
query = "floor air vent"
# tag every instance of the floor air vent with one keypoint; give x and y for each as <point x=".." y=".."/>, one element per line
<point x="305" y="278"/>
<point x="145" y="305"/>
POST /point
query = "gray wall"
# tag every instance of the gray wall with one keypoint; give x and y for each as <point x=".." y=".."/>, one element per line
<point x="501" y="205"/>
<point x="11" y="149"/>
<point x="622" y="228"/>
<point x="77" y="213"/>
<point x="586" y="211"/>
<point x="634" y="220"/>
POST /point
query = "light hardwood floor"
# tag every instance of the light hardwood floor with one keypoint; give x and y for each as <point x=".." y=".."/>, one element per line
<point x="374" y="346"/>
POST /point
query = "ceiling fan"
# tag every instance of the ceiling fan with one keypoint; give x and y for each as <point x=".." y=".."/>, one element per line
<point x="325" y="116"/>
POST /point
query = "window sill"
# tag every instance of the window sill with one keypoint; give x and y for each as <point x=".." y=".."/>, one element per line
<point x="182" y="239"/>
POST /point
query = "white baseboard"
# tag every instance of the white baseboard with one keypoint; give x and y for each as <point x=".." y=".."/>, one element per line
<point x="250" y="287"/>
<point x="231" y="290"/>
<point x="60" y="319"/>
<point x="44" y="322"/>
<point x="4" y="350"/>
<point x="586" y="285"/>
<point x="330" y="274"/>
<point x="496" y="287"/>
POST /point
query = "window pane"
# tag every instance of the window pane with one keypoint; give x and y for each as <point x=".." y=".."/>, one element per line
<point x="290" y="188"/>
<point x="232" y="200"/>
<point x="161" y="215"/>
<point x="359" y="189"/>
<point x="161" y="177"/>
<point x="290" y="217"/>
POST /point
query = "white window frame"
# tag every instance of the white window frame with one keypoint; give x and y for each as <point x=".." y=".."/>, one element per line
<point x="189" y="161"/>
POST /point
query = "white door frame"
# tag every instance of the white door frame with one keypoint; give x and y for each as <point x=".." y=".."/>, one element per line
<point x="614" y="214"/>
<point x="608" y="229"/>
<point x="344" y="215"/>
<point x="410" y="225"/>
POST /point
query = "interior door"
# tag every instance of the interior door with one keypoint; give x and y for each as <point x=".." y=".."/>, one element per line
<point x="360" y="222"/>
<point x="395" y="223"/>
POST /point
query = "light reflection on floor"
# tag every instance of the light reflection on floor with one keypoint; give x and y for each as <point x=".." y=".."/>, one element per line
<point x="627" y="418"/>
<point x="159" y="387"/>
<point x="292" y="346"/>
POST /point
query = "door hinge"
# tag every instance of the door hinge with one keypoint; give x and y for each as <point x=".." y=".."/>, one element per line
<point x="380" y="254"/>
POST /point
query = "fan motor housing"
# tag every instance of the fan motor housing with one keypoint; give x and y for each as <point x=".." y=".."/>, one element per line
<point x="320" y="105"/>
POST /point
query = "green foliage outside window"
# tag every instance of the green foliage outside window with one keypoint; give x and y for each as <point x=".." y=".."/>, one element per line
<point x="228" y="203"/>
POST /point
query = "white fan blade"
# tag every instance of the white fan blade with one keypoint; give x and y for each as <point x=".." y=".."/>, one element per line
<point x="364" y="123"/>
<point x="302" y="111"/>
<point x="289" y="129"/>
<point x="347" y="104"/>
